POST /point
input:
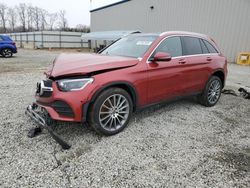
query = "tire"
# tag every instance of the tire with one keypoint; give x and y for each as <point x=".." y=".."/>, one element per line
<point x="7" y="52"/>
<point x="103" y="116"/>
<point x="212" y="92"/>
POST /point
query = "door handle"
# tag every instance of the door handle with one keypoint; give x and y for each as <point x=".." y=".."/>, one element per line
<point x="209" y="59"/>
<point x="182" y="61"/>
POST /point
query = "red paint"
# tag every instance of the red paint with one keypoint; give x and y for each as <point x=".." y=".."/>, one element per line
<point x="152" y="81"/>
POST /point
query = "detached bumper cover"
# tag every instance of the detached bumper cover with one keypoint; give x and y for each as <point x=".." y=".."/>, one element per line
<point x="33" y="112"/>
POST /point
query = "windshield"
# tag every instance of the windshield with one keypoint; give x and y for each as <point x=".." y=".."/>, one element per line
<point x="130" y="46"/>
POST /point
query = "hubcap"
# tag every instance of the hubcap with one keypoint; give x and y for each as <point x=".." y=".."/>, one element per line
<point x="114" y="112"/>
<point x="214" y="91"/>
<point x="7" y="52"/>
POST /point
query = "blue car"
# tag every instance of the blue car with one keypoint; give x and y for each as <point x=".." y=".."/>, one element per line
<point x="7" y="46"/>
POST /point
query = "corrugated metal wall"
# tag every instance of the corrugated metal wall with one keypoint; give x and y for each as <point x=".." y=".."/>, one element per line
<point x="227" y="21"/>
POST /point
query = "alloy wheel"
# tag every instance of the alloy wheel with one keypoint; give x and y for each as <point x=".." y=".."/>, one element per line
<point x="214" y="91"/>
<point x="114" y="112"/>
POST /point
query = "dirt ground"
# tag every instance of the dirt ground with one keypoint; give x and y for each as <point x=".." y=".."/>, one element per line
<point x="180" y="144"/>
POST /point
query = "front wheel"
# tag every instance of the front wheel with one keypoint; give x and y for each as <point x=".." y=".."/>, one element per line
<point x="212" y="92"/>
<point x="6" y="52"/>
<point x="111" y="111"/>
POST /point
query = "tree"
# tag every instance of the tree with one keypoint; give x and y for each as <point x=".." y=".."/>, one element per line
<point x="22" y="8"/>
<point x="63" y="22"/>
<point x="30" y="17"/>
<point x="43" y="18"/>
<point x="52" y="19"/>
<point x="12" y="18"/>
<point x="36" y="17"/>
<point x="3" y="15"/>
<point x="26" y="17"/>
<point x="82" y="28"/>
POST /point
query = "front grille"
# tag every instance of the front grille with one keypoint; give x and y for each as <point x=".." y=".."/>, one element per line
<point x="62" y="108"/>
<point x="44" y="88"/>
<point x="47" y="83"/>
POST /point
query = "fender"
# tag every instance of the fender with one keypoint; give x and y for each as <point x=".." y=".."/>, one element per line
<point x="213" y="73"/>
<point x="129" y="88"/>
<point x="122" y="84"/>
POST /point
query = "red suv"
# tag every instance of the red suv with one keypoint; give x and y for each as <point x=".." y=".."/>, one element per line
<point x="136" y="71"/>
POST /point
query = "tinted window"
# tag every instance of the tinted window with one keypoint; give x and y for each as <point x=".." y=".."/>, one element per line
<point x="191" y="46"/>
<point x="1" y="38"/>
<point x="170" y="45"/>
<point x="210" y="47"/>
<point x="204" y="47"/>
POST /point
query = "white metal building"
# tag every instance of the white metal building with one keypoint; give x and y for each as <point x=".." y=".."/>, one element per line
<point x="226" y="21"/>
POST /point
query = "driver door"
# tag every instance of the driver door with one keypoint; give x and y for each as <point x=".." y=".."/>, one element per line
<point x="165" y="78"/>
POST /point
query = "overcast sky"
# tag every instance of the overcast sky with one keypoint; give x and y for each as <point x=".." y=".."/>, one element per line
<point x="77" y="10"/>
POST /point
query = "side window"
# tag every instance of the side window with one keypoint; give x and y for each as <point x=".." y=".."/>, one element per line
<point x="204" y="47"/>
<point x="191" y="46"/>
<point x="210" y="47"/>
<point x="1" y="38"/>
<point x="170" y="45"/>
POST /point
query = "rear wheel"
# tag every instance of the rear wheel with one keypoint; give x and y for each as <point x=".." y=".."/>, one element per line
<point x="212" y="92"/>
<point x="111" y="111"/>
<point x="6" y="52"/>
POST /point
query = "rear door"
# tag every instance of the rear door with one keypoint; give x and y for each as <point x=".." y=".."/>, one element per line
<point x="197" y="69"/>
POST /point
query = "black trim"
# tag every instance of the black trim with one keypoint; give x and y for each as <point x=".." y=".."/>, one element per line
<point x="110" y="5"/>
<point x="62" y="108"/>
<point x="224" y="76"/>
<point x="85" y="108"/>
<point x="168" y="101"/>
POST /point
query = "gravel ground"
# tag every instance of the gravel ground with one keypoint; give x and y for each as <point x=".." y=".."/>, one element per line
<point x="180" y="144"/>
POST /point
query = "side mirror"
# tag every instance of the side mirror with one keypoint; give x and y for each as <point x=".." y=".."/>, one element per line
<point x="161" y="56"/>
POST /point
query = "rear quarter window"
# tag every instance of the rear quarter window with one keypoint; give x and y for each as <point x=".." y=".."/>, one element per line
<point x="210" y="47"/>
<point x="204" y="47"/>
<point x="191" y="46"/>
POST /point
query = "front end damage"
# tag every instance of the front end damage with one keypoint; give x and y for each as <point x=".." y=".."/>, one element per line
<point x="40" y="116"/>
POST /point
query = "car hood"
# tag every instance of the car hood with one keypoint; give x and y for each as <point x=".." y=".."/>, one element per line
<point x="83" y="64"/>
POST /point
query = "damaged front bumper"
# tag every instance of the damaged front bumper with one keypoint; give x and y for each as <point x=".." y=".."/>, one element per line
<point x="35" y="113"/>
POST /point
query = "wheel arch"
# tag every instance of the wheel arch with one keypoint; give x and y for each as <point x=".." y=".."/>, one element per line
<point x="6" y="47"/>
<point x="220" y="73"/>
<point x="120" y="84"/>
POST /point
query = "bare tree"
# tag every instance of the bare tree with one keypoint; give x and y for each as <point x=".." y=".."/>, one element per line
<point x="82" y="28"/>
<point x="36" y="17"/>
<point x="30" y="17"/>
<point x="52" y="19"/>
<point x="63" y="23"/>
<point x="22" y="9"/>
<point x="3" y="15"/>
<point x="12" y="18"/>
<point x="26" y="17"/>
<point x="43" y="18"/>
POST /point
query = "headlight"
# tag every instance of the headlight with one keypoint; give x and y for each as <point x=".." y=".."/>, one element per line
<point x="73" y="84"/>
